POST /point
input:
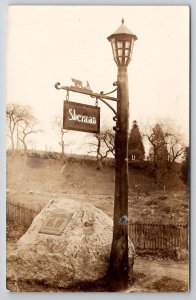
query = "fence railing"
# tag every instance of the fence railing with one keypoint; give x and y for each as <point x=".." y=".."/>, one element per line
<point x="18" y="214"/>
<point x="144" y="236"/>
<point x="158" y="236"/>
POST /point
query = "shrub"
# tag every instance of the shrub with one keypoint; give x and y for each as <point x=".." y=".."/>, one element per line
<point x="138" y="164"/>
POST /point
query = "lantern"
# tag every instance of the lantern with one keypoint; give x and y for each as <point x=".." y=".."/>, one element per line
<point x="122" y="41"/>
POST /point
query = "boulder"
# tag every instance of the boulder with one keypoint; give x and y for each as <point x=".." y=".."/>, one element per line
<point x="67" y="244"/>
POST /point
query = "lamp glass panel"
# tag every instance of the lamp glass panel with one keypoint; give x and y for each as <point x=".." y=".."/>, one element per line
<point x="127" y="44"/>
<point x="113" y="50"/>
<point x="126" y="52"/>
<point x="120" y="59"/>
<point x="120" y="52"/>
<point x="119" y="44"/>
<point x="131" y="49"/>
<point x="114" y="54"/>
<point x="127" y="59"/>
<point x="114" y="45"/>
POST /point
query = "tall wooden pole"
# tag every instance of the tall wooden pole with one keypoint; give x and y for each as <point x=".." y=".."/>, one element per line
<point x="119" y="267"/>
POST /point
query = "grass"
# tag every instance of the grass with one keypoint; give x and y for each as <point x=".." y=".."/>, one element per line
<point x="38" y="180"/>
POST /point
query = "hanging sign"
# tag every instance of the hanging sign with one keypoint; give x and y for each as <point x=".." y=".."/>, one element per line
<point x="81" y="117"/>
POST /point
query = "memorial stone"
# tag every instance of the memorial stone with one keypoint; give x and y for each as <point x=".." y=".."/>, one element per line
<point x="68" y="244"/>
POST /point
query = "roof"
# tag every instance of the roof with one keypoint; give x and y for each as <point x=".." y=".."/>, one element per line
<point x="123" y="29"/>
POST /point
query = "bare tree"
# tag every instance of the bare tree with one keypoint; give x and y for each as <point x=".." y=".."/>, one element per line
<point x="15" y="113"/>
<point x="185" y="166"/>
<point x="103" y="145"/>
<point x="175" y="147"/>
<point x="166" y="147"/>
<point x="58" y="124"/>
<point x="20" y="124"/>
<point x="26" y="128"/>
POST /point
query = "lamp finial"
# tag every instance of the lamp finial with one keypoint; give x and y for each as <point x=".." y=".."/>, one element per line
<point x="122" y="21"/>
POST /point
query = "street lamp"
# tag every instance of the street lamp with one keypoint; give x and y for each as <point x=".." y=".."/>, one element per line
<point x="122" y="41"/>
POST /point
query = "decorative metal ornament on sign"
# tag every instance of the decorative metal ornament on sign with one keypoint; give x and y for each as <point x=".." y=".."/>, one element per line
<point x="56" y="223"/>
<point x="81" y="117"/>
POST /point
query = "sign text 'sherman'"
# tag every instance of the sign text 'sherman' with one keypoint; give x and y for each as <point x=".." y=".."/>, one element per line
<point x="81" y="117"/>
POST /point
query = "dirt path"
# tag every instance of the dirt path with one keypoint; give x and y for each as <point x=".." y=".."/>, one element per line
<point x="162" y="268"/>
<point x="160" y="275"/>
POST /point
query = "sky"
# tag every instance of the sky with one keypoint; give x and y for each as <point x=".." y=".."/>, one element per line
<point x="49" y="44"/>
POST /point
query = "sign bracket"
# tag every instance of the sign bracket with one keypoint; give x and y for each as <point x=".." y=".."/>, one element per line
<point x="101" y="96"/>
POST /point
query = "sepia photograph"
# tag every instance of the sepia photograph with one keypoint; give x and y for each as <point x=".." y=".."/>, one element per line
<point x="97" y="150"/>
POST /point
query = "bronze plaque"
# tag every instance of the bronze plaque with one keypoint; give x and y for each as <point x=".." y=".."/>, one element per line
<point x="55" y="223"/>
<point x="81" y="117"/>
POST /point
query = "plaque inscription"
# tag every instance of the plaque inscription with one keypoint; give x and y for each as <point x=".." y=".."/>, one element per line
<point x="56" y="223"/>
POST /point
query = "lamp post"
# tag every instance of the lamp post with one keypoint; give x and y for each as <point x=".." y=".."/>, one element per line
<point x="122" y="41"/>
